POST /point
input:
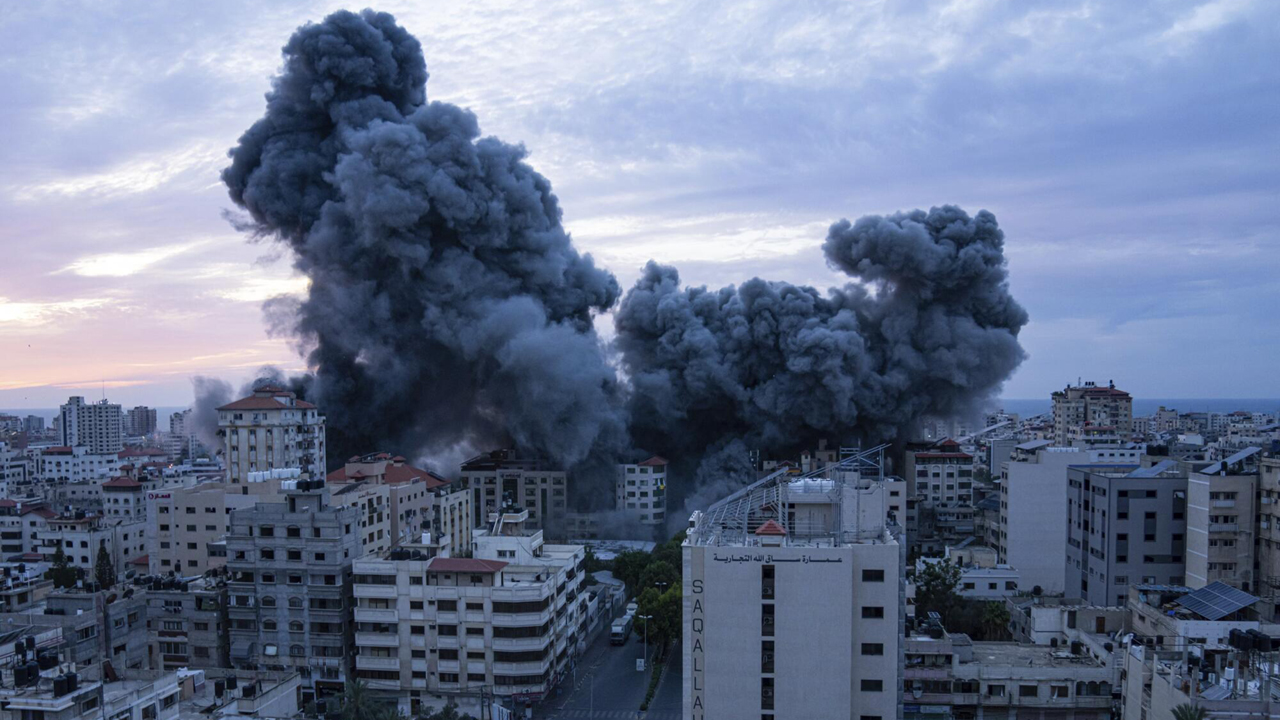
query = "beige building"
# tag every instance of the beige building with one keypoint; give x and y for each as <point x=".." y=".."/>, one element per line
<point x="80" y="538"/>
<point x="500" y="477"/>
<point x="1091" y="405"/>
<point x="187" y="526"/>
<point x="794" y="600"/>
<point x="1220" y="523"/>
<point x="374" y="505"/>
<point x="419" y="501"/>
<point x="269" y="430"/>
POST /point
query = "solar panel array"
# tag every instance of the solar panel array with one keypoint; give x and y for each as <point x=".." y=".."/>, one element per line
<point x="1216" y="601"/>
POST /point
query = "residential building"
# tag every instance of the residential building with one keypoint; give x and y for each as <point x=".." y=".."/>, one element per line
<point x="86" y="695"/>
<point x="289" y="582"/>
<point x="412" y="496"/>
<point x="503" y="476"/>
<point x="81" y="535"/>
<point x="641" y="491"/>
<point x="187" y="623"/>
<point x="271" y="429"/>
<point x="812" y="564"/>
<point x="100" y="625"/>
<point x="374" y="504"/>
<point x="1125" y="525"/>
<point x="1090" y="404"/>
<point x="123" y="499"/>
<point x="181" y="441"/>
<point x="140" y="421"/>
<point x="1221" y="519"/>
<point x="507" y="622"/>
<point x="1033" y="517"/>
<point x="74" y="464"/>
<point x="95" y="426"/>
<point x="949" y="675"/>
<point x="188" y="526"/>
<point x="942" y="473"/>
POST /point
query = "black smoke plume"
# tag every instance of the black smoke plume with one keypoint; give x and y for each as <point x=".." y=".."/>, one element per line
<point x="447" y="303"/>
<point x="931" y="331"/>
<point x="448" y="306"/>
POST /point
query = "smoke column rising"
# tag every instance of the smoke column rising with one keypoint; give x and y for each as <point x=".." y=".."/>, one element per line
<point x="448" y="307"/>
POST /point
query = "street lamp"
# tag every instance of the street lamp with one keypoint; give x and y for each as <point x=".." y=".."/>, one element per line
<point x="646" y="619"/>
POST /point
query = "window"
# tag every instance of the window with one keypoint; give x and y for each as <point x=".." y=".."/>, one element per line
<point x="1028" y="691"/>
<point x="995" y="690"/>
<point x="873" y="576"/>
<point x="872" y="612"/>
<point x="872" y="686"/>
<point x="872" y="648"/>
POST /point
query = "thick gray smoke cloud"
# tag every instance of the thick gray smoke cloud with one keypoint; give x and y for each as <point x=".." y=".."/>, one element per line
<point x="931" y="332"/>
<point x="448" y="306"/>
<point x="447" y="303"/>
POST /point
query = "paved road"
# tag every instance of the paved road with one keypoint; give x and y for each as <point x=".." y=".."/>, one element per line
<point x="607" y="686"/>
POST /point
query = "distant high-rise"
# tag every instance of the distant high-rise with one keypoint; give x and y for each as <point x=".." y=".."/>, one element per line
<point x="271" y="429"/>
<point x="1091" y="405"/>
<point x="33" y="424"/>
<point x="96" y="426"/>
<point x="141" y="420"/>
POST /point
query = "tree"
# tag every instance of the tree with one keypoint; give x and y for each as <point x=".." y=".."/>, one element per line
<point x="104" y="571"/>
<point x="448" y="712"/>
<point x="360" y="704"/>
<point x="628" y="566"/>
<point x="62" y="574"/>
<point x="995" y="621"/>
<point x="659" y="575"/>
<point x="936" y="585"/>
<point x="1187" y="711"/>
<point x="665" y="609"/>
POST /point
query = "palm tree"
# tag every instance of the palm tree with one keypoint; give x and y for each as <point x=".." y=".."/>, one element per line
<point x="995" y="620"/>
<point x="1187" y="711"/>
<point x="360" y="704"/>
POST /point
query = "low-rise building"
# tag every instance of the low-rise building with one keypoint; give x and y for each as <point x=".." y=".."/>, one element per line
<point x="187" y="623"/>
<point x="81" y="535"/>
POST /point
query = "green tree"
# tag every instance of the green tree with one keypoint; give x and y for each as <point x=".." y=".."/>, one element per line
<point x="61" y="573"/>
<point x="936" y="585"/>
<point x="1187" y="711"/>
<point x="995" y="621"/>
<point x="104" y="571"/>
<point x="659" y="575"/>
<point x="628" y="566"/>
<point x="360" y="704"/>
<point x="664" y="612"/>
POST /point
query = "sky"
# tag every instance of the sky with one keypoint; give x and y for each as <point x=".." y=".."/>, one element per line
<point x="1131" y="152"/>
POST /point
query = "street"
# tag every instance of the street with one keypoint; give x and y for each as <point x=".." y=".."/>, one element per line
<point x="609" y="688"/>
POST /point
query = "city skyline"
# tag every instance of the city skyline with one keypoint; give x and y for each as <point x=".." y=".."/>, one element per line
<point x="1131" y="206"/>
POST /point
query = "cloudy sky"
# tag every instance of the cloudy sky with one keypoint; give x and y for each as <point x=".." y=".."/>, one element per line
<point x="1131" y="152"/>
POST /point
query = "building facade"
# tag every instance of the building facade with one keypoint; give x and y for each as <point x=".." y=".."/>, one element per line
<point x="793" y="603"/>
<point x="96" y="426"/>
<point x="502" y="476"/>
<point x="269" y="430"/>
<point x="1094" y="405"/>
<point x="289" y="586"/>
<point x="641" y="491"/>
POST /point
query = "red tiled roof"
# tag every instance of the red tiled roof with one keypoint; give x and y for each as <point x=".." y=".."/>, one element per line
<point x="392" y="475"/>
<point x="6" y="502"/>
<point x="123" y="483"/>
<point x="943" y="455"/>
<point x="58" y="450"/>
<point x="654" y="461"/>
<point x="265" y="403"/>
<point x="770" y="528"/>
<point x="141" y="560"/>
<point x="465" y="565"/>
<point x="32" y="556"/>
<point x="43" y="512"/>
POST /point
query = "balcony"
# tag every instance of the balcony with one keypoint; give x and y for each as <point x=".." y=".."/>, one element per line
<point x="531" y="643"/>
<point x="374" y="615"/>
<point x="373" y="591"/>
<point x="367" y="639"/>
<point x="534" y="667"/>
<point x="1223" y="503"/>
<point x="1223" y="527"/>
<point x="368" y="662"/>
<point x="521" y="619"/>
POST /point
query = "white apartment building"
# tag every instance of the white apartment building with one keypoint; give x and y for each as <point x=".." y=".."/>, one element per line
<point x="1090" y="404"/>
<point x="641" y="491"/>
<point x="74" y="464"/>
<point x="419" y="501"/>
<point x="134" y="695"/>
<point x="96" y="426"/>
<point x="140" y="421"/>
<point x="1033" y="512"/>
<point x="794" y="601"/>
<point x="942" y="473"/>
<point x="271" y="429"/>
<point x="374" y="504"/>
<point x="506" y="622"/>
<point x="80" y="538"/>
<point x="502" y="476"/>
